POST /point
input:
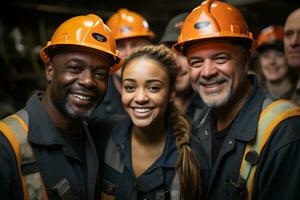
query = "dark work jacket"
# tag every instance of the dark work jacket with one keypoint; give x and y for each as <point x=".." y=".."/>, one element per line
<point x="278" y="171"/>
<point x="118" y="178"/>
<point x="111" y="103"/>
<point x="56" y="160"/>
<point x="195" y="107"/>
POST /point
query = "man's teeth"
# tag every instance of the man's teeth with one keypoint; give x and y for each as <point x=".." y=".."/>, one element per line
<point x="141" y="110"/>
<point x="81" y="97"/>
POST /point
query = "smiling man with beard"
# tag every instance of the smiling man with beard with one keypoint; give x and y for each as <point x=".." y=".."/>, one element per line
<point x="248" y="145"/>
<point x="46" y="150"/>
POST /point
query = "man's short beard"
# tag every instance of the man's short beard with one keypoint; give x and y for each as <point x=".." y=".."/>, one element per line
<point x="220" y="102"/>
<point x="78" y="116"/>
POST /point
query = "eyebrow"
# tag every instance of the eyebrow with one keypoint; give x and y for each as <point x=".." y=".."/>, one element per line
<point x="147" y="81"/>
<point x="81" y="62"/>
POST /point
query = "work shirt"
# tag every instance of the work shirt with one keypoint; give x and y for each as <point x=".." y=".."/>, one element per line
<point x="277" y="175"/>
<point x="56" y="159"/>
<point x="118" y="177"/>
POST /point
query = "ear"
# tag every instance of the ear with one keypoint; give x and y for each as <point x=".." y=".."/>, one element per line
<point x="49" y="72"/>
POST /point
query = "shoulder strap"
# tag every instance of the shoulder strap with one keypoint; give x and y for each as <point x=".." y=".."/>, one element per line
<point x="271" y="116"/>
<point x="15" y="129"/>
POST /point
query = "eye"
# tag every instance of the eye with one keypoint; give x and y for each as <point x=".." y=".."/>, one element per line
<point x="129" y="88"/>
<point x="221" y="59"/>
<point x="73" y="68"/>
<point x="288" y="33"/>
<point x="195" y="63"/>
<point x="101" y="74"/>
<point x="153" y="88"/>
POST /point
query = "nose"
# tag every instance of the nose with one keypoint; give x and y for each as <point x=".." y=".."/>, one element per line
<point x="208" y="69"/>
<point x="272" y="59"/>
<point x="141" y="96"/>
<point x="86" y="79"/>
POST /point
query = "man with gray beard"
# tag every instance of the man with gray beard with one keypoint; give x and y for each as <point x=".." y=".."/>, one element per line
<point x="46" y="151"/>
<point x="248" y="144"/>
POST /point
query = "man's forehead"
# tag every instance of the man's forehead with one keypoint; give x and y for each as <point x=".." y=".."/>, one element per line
<point x="293" y="19"/>
<point x="213" y="46"/>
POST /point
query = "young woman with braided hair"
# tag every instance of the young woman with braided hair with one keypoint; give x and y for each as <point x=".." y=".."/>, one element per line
<point x="148" y="155"/>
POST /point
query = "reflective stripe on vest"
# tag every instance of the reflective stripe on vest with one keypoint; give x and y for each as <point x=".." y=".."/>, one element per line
<point x="271" y="116"/>
<point x="15" y="129"/>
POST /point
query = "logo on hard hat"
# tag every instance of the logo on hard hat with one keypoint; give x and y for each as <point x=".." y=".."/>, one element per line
<point x="125" y="29"/>
<point x="99" y="37"/>
<point x="201" y="25"/>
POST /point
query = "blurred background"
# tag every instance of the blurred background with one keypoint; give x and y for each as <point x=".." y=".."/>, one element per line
<point x="26" y="25"/>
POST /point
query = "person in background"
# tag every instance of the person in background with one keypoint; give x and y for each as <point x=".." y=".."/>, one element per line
<point x="46" y="150"/>
<point x="278" y="79"/>
<point x="148" y="154"/>
<point x="248" y="141"/>
<point x="186" y="100"/>
<point x="130" y="30"/>
<point x="292" y="41"/>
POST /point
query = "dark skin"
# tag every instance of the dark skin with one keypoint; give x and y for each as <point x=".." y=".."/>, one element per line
<point x="77" y="82"/>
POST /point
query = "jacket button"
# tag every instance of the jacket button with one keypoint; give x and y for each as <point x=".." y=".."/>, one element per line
<point x="230" y="142"/>
<point x="205" y="132"/>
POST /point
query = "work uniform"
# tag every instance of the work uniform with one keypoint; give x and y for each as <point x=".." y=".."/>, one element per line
<point x="118" y="178"/>
<point x="277" y="175"/>
<point x="56" y="160"/>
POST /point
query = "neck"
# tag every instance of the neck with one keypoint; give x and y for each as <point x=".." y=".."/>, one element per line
<point x="149" y="136"/>
<point x="279" y="88"/>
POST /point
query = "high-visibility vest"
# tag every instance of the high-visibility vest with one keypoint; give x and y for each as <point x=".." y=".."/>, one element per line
<point x="15" y="129"/>
<point x="270" y="117"/>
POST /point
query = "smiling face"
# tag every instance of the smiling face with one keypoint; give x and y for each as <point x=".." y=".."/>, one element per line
<point x="273" y="65"/>
<point x="218" y="72"/>
<point x="77" y="83"/>
<point x="183" y="79"/>
<point x="145" y="91"/>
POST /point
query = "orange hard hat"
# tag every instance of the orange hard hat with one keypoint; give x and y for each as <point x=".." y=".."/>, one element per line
<point x="271" y="36"/>
<point x="213" y="20"/>
<point x="87" y="33"/>
<point x="128" y="24"/>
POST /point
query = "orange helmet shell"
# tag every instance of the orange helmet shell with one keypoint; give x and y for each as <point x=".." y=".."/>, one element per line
<point x="211" y="20"/>
<point x="88" y="33"/>
<point x="126" y="24"/>
<point x="269" y="35"/>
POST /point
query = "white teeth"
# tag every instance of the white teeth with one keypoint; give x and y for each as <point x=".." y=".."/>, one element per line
<point x="142" y="110"/>
<point x="81" y="97"/>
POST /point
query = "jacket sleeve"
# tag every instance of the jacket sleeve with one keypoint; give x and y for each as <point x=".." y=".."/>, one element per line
<point x="278" y="177"/>
<point x="10" y="184"/>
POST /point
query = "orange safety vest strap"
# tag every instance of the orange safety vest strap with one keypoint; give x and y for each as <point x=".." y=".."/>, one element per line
<point x="7" y="132"/>
<point x="274" y="114"/>
<point x="15" y="129"/>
